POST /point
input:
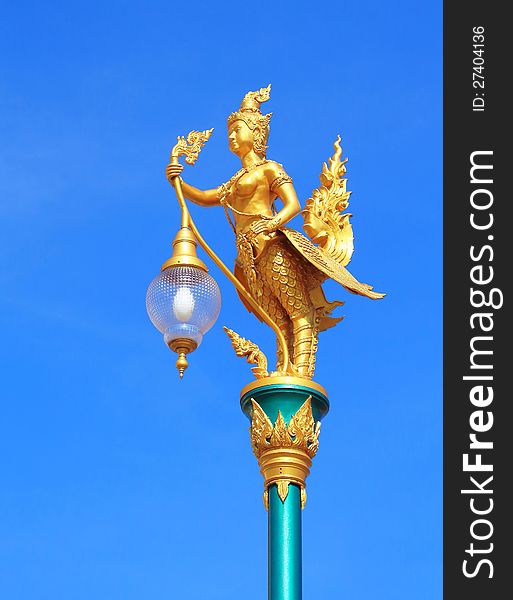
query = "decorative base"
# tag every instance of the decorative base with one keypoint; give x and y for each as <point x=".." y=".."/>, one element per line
<point x="285" y="414"/>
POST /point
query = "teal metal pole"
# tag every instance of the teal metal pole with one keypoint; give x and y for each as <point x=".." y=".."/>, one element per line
<point x="285" y="545"/>
<point x="284" y="520"/>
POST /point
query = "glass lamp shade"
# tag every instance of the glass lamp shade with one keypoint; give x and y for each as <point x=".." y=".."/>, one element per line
<point x="183" y="302"/>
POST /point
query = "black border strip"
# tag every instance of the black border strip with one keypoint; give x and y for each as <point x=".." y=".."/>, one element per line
<point x="475" y="122"/>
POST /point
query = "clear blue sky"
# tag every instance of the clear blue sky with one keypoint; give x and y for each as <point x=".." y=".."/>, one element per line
<point x="118" y="481"/>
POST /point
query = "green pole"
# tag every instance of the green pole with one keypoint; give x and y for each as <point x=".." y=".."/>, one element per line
<point x="284" y="521"/>
<point x="285" y="545"/>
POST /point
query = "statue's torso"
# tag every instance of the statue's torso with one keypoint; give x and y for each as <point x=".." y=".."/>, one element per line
<point x="250" y="198"/>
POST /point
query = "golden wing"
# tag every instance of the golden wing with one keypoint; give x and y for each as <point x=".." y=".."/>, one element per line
<point x="331" y="268"/>
<point x="324" y="222"/>
<point x="327" y="227"/>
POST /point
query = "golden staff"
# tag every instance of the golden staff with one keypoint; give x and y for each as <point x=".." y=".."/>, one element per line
<point x="191" y="147"/>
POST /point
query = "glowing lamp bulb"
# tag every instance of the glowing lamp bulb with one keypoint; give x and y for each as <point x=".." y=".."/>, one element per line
<point x="183" y="304"/>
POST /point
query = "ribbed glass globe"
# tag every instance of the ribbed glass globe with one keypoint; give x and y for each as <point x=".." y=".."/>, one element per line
<point x="183" y="302"/>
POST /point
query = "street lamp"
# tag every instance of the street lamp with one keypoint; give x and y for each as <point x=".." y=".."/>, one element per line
<point x="183" y="301"/>
<point x="279" y="275"/>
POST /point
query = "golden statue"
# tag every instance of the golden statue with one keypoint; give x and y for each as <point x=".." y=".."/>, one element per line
<point x="280" y="268"/>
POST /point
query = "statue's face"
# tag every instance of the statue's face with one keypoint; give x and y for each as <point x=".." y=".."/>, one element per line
<point x="240" y="138"/>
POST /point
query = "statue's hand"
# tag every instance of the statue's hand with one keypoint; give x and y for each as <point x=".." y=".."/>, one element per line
<point x="265" y="225"/>
<point x="173" y="170"/>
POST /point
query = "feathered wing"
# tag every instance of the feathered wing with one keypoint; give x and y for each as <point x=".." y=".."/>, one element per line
<point x="331" y="268"/>
<point x="325" y="222"/>
<point x="329" y="228"/>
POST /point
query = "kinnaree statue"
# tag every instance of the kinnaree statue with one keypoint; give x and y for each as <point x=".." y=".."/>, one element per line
<point x="282" y="270"/>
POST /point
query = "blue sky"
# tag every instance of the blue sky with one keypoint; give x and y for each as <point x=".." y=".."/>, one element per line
<point x="119" y="481"/>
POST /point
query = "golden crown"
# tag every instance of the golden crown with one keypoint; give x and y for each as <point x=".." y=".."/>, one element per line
<point x="249" y="112"/>
<point x="250" y="108"/>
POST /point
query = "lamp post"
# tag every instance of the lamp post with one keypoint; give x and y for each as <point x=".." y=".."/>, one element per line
<point x="278" y="278"/>
<point x="285" y="416"/>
